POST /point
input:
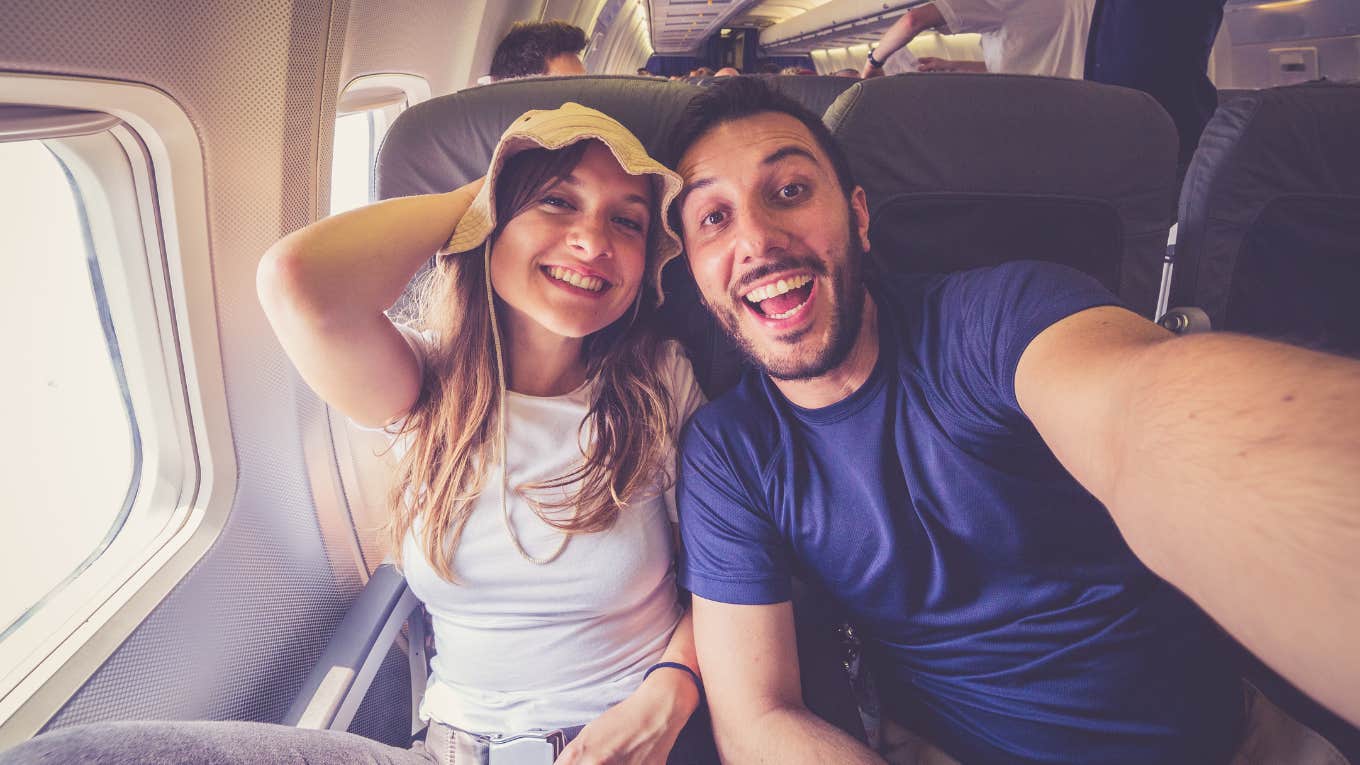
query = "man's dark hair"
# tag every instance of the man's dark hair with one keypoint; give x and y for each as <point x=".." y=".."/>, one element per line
<point x="734" y="98"/>
<point x="529" y="46"/>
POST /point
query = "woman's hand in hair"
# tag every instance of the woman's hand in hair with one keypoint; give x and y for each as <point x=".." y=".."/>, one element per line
<point x="641" y="729"/>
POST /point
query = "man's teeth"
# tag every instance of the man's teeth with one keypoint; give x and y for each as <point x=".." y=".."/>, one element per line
<point x="591" y="283"/>
<point x="777" y="288"/>
<point x="787" y="313"/>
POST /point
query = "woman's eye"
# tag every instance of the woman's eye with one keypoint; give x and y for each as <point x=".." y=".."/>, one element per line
<point x="553" y="201"/>
<point x="712" y="219"/>
<point x="792" y="191"/>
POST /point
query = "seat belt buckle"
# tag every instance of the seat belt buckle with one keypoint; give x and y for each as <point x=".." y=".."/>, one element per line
<point x="527" y="748"/>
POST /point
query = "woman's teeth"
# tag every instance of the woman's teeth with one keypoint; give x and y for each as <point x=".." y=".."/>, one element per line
<point x="590" y="283"/>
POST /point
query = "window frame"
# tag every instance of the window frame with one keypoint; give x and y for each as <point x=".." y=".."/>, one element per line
<point x="142" y="188"/>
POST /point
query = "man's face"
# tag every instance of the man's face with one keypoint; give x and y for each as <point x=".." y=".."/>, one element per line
<point x="774" y="245"/>
<point x="564" y="64"/>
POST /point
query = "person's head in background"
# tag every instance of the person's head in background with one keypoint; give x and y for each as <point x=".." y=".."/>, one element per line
<point x="851" y="73"/>
<point x="769" y="67"/>
<point x="796" y="70"/>
<point x="644" y="72"/>
<point x="728" y="71"/>
<point x="702" y="71"/>
<point x="531" y="49"/>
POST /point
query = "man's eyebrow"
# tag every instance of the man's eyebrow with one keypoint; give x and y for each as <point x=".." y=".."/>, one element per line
<point x="784" y="152"/>
<point x="778" y="155"/>
<point x="692" y="186"/>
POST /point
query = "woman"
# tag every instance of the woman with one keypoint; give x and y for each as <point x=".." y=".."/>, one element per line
<point x="535" y="411"/>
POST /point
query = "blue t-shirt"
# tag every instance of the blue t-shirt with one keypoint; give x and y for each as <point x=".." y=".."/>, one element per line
<point x="1007" y="618"/>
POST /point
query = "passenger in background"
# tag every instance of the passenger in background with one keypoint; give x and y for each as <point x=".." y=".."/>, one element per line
<point x="988" y="471"/>
<point x="850" y="73"/>
<point x="1160" y="47"/>
<point x="1044" y="37"/>
<point x="532" y="49"/>
<point x="533" y="407"/>
<point x="728" y="71"/>
<point x="702" y="71"/>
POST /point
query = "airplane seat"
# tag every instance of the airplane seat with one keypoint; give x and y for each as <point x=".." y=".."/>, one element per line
<point x="816" y="92"/>
<point x="1225" y="95"/>
<point x="439" y="145"/>
<point x="1269" y="234"/>
<point x="971" y="170"/>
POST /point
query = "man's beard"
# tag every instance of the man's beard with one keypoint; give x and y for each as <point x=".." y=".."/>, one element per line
<point x="847" y="294"/>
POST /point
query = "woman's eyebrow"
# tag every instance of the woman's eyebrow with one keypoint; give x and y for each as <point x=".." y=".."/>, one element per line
<point x="638" y="199"/>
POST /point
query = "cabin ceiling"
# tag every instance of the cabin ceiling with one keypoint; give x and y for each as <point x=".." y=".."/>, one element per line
<point x="682" y="26"/>
<point x="767" y="13"/>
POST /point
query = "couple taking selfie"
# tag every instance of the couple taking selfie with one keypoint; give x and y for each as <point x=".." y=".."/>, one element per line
<point x="979" y="468"/>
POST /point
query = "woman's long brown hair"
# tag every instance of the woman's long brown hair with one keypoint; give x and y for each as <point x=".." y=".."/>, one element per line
<point x="628" y="431"/>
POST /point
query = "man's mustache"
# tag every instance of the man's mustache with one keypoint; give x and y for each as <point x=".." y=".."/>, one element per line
<point x="774" y="266"/>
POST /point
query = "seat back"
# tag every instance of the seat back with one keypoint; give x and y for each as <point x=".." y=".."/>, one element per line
<point x="816" y="92"/>
<point x="1269" y="236"/>
<point x="966" y="170"/>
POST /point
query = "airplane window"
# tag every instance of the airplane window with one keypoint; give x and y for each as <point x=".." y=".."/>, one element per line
<point x="357" y="137"/>
<point x="71" y="458"/>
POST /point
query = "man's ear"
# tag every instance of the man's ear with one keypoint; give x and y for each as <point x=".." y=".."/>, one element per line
<point x="859" y="208"/>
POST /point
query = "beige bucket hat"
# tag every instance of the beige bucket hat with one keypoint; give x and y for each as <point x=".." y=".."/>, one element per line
<point x="556" y="129"/>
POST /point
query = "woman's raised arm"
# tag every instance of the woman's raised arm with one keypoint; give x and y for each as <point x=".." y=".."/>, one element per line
<point x="325" y="287"/>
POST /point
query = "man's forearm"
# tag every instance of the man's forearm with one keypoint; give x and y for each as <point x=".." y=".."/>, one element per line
<point x="791" y="735"/>
<point x="1238" y="480"/>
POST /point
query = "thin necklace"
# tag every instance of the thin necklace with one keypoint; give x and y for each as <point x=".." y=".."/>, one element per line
<point x="501" y="426"/>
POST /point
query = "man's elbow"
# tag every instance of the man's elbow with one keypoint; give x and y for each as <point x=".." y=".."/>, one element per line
<point x="740" y="730"/>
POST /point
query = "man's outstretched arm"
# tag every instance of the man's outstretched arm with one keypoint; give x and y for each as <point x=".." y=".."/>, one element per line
<point x="1231" y="466"/>
<point x="750" y="661"/>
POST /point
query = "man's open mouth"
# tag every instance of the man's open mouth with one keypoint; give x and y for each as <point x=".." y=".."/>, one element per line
<point x="781" y="299"/>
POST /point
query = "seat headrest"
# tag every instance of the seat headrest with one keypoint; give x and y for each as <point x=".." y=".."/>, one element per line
<point x="1018" y="150"/>
<point x="1276" y="177"/>
<point x="816" y="92"/>
<point x="446" y="142"/>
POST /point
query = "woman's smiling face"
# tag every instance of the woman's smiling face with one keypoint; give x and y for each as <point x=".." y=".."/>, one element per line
<point x="572" y="262"/>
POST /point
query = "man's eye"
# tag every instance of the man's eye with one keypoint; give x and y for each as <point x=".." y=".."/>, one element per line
<point x="792" y="191"/>
<point x="629" y="223"/>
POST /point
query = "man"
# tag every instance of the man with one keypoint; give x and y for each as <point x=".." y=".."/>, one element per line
<point x="532" y="49"/>
<point x="1046" y="37"/>
<point x="1160" y="47"/>
<point x="728" y="71"/>
<point x="909" y="444"/>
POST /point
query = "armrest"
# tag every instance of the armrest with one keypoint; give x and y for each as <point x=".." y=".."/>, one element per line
<point x="332" y="692"/>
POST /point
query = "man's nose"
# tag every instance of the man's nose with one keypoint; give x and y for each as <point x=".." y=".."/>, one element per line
<point x="759" y="234"/>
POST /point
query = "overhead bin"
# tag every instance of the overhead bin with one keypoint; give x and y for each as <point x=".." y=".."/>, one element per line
<point x="838" y="23"/>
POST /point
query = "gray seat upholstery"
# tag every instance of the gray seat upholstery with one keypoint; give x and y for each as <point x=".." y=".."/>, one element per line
<point x="969" y="170"/>
<point x="815" y="92"/>
<point x="1269" y="237"/>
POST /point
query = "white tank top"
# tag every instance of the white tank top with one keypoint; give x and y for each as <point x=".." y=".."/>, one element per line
<point x="521" y="645"/>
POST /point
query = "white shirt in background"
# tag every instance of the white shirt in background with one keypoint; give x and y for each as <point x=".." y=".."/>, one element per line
<point x="1042" y="37"/>
<point x="521" y="645"/>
